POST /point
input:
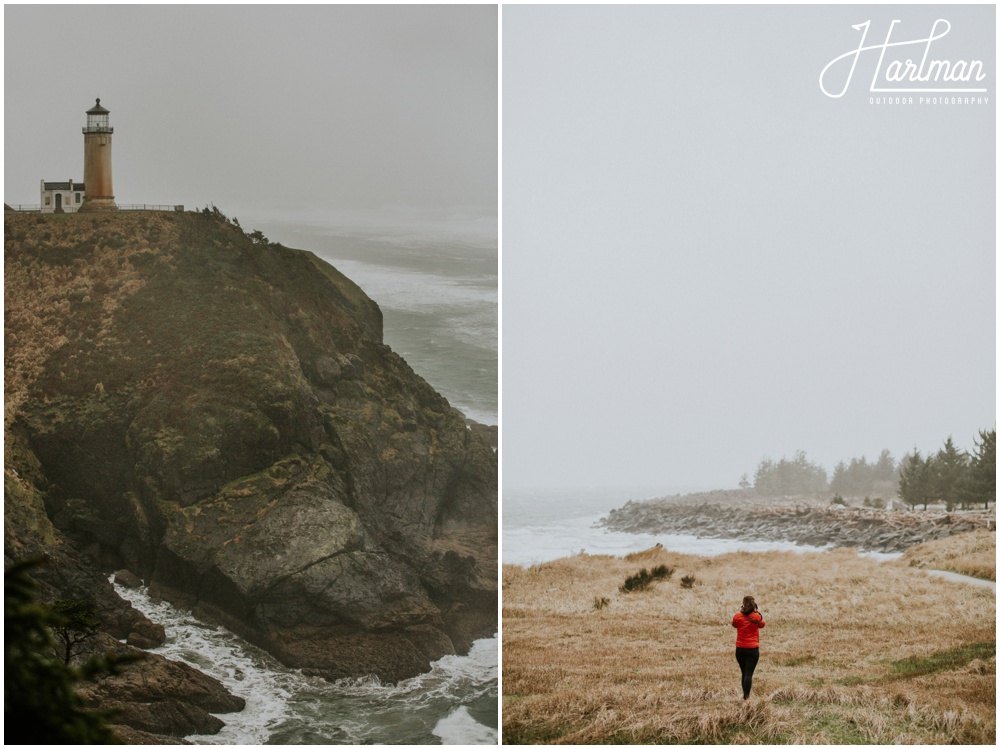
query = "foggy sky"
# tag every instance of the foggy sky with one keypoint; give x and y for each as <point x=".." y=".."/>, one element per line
<point x="353" y="111"/>
<point x="707" y="261"/>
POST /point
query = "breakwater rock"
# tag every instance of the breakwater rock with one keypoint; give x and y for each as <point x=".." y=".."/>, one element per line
<point x="887" y="531"/>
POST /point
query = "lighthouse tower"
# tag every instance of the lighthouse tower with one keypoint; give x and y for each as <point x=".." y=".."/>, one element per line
<point x="98" y="194"/>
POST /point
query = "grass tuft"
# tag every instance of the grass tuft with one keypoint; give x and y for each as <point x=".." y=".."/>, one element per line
<point x="947" y="660"/>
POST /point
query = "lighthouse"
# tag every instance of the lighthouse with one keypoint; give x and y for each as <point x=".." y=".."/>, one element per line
<point x="98" y="194"/>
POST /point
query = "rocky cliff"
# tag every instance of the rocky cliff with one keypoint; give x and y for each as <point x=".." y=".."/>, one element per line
<point x="218" y="414"/>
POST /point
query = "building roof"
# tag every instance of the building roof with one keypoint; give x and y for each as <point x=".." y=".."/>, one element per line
<point x="98" y="109"/>
<point x="62" y="186"/>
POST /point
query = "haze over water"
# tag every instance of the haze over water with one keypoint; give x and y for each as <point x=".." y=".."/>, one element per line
<point x="436" y="284"/>
<point x="540" y="525"/>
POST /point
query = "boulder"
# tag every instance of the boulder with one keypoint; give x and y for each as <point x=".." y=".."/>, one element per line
<point x="129" y="735"/>
<point x="127" y="579"/>
<point x="151" y="678"/>
<point x="164" y="718"/>
<point x="146" y="634"/>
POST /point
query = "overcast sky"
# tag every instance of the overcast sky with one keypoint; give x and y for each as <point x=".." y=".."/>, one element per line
<point x="706" y="260"/>
<point x="359" y="111"/>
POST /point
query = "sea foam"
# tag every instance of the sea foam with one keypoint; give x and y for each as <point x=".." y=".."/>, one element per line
<point x="285" y="706"/>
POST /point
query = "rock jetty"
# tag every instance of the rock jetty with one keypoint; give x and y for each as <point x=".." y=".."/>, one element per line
<point x="724" y="515"/>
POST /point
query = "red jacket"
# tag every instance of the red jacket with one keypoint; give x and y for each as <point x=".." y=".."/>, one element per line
<point x="747" y="629"/>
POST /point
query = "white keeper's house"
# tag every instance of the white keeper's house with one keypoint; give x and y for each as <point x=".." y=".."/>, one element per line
<point x="61" y="197"/>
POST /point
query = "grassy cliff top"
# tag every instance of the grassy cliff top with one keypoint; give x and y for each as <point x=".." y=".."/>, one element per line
<point x="76" y="282"/>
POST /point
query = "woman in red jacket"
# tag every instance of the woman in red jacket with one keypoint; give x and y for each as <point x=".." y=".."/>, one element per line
<point x="748" y="622"/>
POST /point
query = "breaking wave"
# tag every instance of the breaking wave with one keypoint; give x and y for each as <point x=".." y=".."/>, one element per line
<point x="454" y="703"/>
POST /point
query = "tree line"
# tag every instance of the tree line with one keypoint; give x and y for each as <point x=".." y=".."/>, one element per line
<point x="950" y="475"/>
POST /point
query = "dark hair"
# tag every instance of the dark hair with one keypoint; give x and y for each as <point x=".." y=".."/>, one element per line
<point x="749" y="605"/>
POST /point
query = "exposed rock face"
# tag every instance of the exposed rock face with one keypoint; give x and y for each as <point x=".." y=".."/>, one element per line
<point x="158" y="696"/>
<point x="129" y="735"/>
<point x="219" y="416"/>
<point x="489" y="431"/>
<point x="865" y="529"/>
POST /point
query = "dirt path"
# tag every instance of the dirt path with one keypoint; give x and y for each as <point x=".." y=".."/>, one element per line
<point x="949" y="575"/>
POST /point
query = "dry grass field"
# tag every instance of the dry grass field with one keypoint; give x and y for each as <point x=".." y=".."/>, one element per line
<point x="972" y="554"/>
<point x="854" y="652"/>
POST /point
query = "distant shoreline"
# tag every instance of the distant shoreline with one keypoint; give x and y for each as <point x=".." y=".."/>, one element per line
<point x="742" y="514"/>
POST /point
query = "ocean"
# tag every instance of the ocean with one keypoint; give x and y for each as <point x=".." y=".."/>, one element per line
<point x="542" y="525"/>
<point x="454" y="703"/>
<point x="437" y="287"/>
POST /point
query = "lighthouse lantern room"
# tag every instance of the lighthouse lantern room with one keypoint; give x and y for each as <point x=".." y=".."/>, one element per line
<point x="97" y="120"/>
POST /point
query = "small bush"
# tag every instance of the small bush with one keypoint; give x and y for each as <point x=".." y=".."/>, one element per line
<point x="600" y="602"/>
<point x="643" y="578"/>
<point x="662" y="572"/>
<point x="687" y="581"/>
<point x="838" y="500"/>
<point x="639" y="581"/>
<point x="878" y="503"/>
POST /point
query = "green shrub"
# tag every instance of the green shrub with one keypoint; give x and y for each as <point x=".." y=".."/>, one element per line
<point x="639" y="581"/>
<point x="662" y="572"/>
<point x="643" y="578"/>
<point x="39" y="696"/>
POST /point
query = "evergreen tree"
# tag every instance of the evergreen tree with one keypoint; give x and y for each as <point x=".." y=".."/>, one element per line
<point x="914" y="479"/>
<point x="948" y="475"/>
<point x="73" y="622"/>
<point x="981" y="479"/>
<point x="789" y="477"/>
<point x="838" y="482"/>
<point x="859" y="476"/>
<point x="38" y="697"/>
<point x="864" y="478"/>
<point x="884" y="468"/>
<point x="765" y="478"/>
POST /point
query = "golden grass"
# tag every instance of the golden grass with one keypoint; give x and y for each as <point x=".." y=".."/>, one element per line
<point x="973" y="553"/>
<point x="41" y="287"/>
<point x="854" y="652"/>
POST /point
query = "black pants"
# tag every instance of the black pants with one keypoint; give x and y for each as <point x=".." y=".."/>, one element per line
<point x="747" y="658"/>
